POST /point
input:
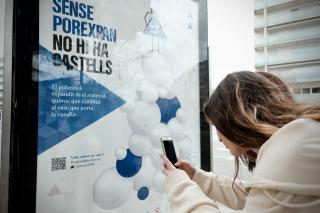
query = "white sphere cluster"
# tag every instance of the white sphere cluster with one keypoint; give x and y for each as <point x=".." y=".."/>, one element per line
<point x="110" y="190"/>
<point x="156" y="132"/>
<point x="144" y="119"/>
<point x="120" y="153"/>
<point x="156" y="69"/>
<point x="139" y="145"/>
<point x="176" y="129"/>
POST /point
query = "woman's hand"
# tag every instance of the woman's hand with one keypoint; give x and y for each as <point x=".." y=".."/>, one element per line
<point x="168" y="167"/>
<point x="187" y="167"/>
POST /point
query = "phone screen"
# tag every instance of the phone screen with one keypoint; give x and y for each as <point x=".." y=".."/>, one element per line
<point x="170" y="152"/>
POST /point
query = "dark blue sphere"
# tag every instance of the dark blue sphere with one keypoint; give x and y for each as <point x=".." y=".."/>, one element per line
<point x="143" y="193"/>
<point x="130" y="165"/>
<point x="168" y="108"/>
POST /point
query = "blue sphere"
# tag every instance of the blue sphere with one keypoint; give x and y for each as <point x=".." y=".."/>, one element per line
<point x="143" y="193"/>
<point x="130" y="165"/>
<point x="168" y="108"/>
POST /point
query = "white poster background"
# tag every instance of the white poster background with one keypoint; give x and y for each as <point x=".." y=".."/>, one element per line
<point x="71" y="190"/>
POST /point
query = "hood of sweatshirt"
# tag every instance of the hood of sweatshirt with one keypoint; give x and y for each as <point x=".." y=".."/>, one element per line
<point x="290" y="160"/>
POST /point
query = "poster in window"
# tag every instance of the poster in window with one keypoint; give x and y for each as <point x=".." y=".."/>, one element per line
<point x="114" y="76"/>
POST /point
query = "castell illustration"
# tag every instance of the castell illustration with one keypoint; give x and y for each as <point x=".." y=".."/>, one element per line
<point x="153" y="27"/>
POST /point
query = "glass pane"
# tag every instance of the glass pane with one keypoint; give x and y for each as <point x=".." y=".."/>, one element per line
<point x="114" y="76"/>
<point x="297" y="90"/>
<point x="316" y="90"/>
<point x="305" y="90"/>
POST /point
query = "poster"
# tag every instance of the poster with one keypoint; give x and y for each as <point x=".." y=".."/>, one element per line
<point x="114" y="76"/>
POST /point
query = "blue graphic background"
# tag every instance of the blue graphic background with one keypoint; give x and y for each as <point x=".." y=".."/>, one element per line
<point x="52" y="130"/>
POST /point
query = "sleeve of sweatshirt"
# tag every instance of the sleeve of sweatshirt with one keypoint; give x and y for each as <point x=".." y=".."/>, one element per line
<point x="184" y="195"/>
<point x="219" y="188"/>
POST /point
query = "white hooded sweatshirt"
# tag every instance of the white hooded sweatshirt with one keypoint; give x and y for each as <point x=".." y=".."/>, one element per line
<point x="286" y="178"/>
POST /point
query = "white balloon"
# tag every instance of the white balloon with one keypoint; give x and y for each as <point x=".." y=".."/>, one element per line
<point x="139" y="144"/>
<point x="147" y="92"/>
<point x="158" y="182"/>
<point x="129" y="105"/>
<point x="156" y="69"/>
<point x="158" y="77"/>
<point x="157" y="132"/>
<point x="155" y="159"/>
<point x="154" y="60"/>
<point x="186" y="148"/>
<point x="163" y="93"/>
<point x="171" y="52"/>
<point x="181" y="115"/>
<point x="170" y="94"/>
<point x="144" y="177"/>
<point x="144" y="117"/>
<point x="110" y="190"/>
<point x="176" y="129"/>
<point x="120" y="153"/>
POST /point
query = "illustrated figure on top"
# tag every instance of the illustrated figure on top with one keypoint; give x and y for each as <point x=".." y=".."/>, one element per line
<point x="153" y="26"/>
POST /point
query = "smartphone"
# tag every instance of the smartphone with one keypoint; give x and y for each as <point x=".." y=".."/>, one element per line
<point x="168" y="149"/>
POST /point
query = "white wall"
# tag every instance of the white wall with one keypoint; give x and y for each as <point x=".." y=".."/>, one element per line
<point x="231" y="37"/>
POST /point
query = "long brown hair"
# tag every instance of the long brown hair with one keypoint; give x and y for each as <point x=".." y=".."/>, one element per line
<point x="248" y="107"/>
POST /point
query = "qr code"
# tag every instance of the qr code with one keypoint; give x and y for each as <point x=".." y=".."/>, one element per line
<point x="58" y="163"/>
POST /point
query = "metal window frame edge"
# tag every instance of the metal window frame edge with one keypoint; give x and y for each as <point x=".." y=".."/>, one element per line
<point x="7" y="87"/>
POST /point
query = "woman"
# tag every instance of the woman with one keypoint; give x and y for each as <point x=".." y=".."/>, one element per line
<point x="278" y="139"/>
